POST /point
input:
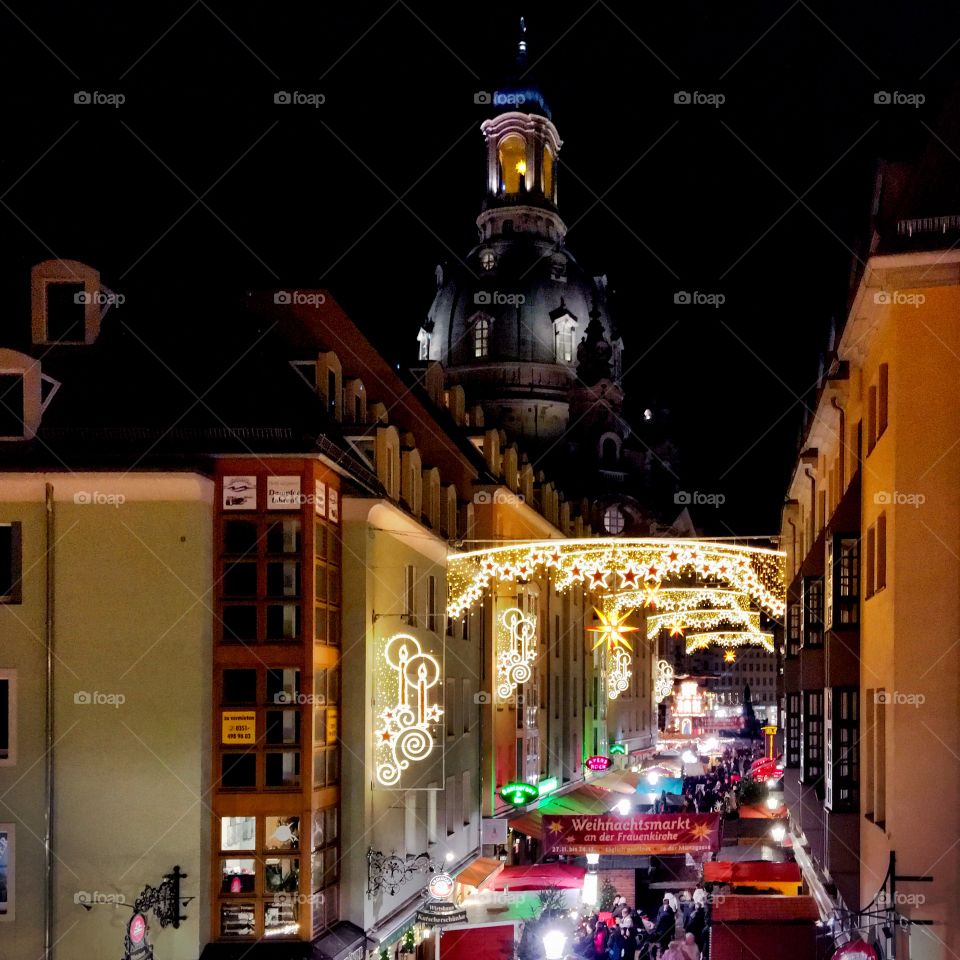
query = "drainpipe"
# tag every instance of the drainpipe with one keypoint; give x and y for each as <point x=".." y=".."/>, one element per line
<point x="48" y="917"/>
<point x="793" y="545"/>
<point x="843" y="444"/>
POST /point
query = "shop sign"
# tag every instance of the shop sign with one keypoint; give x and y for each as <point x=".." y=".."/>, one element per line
<point x="519" y="793"/>
<point x="283" y="493"/>
<point x="599" y="763"/>
<point x="240" y="493"/>
<point x="653" y="834"/>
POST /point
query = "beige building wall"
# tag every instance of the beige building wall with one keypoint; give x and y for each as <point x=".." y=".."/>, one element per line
<point x="436" y="809"/>
<point x="130" y="561"/>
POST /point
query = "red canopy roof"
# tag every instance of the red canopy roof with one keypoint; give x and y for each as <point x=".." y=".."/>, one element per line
<point x="750" y="871"/>
<point x="770" y="910"/>
<point x="538" y="877"/>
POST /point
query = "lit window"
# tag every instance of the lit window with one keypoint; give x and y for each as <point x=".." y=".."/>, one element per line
<point x="487" y="259"/>
<point x="565" y="344"/>
<point x="8" y="721"/>
<point x="481" y="337"/>
<point x="613" y="519"/>
<point x="513" y="163"/>
<point x="547" y="172"/>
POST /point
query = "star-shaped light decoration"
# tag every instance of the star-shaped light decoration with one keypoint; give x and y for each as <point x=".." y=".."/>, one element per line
<point x="629" y="576"/>
<point x="598" y="577"/>
<point x="676" y="628"/>
<point x="433" y="713"/>
<point x="701" y="831"/>
<point x="611" y="630"/>
<point x="556" y="828"/>
<point x="651" y="593"/>
<point x="730" y="656"/>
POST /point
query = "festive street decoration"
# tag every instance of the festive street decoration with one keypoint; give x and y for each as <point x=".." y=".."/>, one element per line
<point x="611" y="633"/>
<point x="519" y="793"/>
<point x="405" y="731"/>
<point x="730" y="655"/>
<point x="516" y="650"/>
<point x="702" y="620"/>
<point x="729" y="638"/>
<point x="663" y="682"/>
<point x="620" y="564"/>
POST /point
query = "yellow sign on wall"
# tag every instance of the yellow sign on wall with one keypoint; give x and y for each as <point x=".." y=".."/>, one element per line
<point x="239" y="726"/>
<point x="331" y="724"/>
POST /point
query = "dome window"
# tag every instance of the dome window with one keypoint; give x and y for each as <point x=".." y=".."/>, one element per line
<point x="481" y="337"/>
<point x="488" y="259"/>
<point x="613" y="520"/>
<point x="424" y="338"/>
<point x="558" y="269"/>
<point x="512" y="154"/>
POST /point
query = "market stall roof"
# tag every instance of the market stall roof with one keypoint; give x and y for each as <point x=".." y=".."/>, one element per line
<point x="586" y="799"/>
<point x="479" y="871"/>
<point x="617" y="781"/>
<point x="757" y="908"/>
<point x="753" y="871"/>
<point x="539" y="876"/>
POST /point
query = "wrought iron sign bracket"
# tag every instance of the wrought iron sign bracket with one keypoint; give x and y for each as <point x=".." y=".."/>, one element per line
<point x="164" y="901"/>
<point x="387" y="873"/>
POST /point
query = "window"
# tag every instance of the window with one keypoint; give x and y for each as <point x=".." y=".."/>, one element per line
<point x="481" y="337"/>
<point x="842" y="767"/>
<point x="512" y="154"/>
<point x="448" y="707"/>
<point x="11" y="562"/>
<point x="466" y="798"/>
<point x="487" y="259"/>
<point x="793" y="730"/>
<point x="410" y="820"/>
<point x="870" y="571"/>
<point x="409" y="593"/>
<point x="433" y="620"/>
<point x="880" y="758"/>
<point x="564" y="338"/>
<point x="66" y="312"/>
<point x="882" y="399"/>
<point x="12" y="401"/>
<point x="547" y="172"/>
<point x="613" y="520"/>
<point x="467" y="703"/>
<point x="8" y="718"/>
<point x="812" y="612"/>
<point x="811" y="766"/>
<point x="794" y="621"/>
<point x="876" y="566"/>
<point x="843" y="569"/>
<point x="871" y="419"/>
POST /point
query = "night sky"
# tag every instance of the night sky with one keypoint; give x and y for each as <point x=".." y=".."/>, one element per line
<point x="199" y="186"/>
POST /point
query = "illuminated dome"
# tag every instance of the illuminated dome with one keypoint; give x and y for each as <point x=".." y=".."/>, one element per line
<point x="506" y="322"/>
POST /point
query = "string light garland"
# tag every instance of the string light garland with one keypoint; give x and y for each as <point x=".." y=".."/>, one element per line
<point x="729" y="638"/>
<point x="621" y="565"/>
<point x="405" y="731"/>
<point x="677" y="599"/>
<point x="516" y="650"/>
<point x="702" y="620"/>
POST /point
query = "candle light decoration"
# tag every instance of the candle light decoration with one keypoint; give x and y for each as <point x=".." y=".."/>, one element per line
<point x="516" y="650"/>
<point x="405" y="731"/>
<point x="663" y="682"/>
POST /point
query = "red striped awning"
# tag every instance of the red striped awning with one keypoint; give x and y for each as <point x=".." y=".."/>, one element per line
<point x="539" y="876"/>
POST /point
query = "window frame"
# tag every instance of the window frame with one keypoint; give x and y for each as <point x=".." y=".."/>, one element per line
<point x="15" y="595"/>
<point x="10" y="676"/>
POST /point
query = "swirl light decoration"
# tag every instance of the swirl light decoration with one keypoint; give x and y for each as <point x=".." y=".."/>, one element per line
<point x="618" y="673"/>
<point x="663" y="682"/>
<point x="516" y="650"/>
<point x="405" y="731"/>
<point x="622" y="565"/>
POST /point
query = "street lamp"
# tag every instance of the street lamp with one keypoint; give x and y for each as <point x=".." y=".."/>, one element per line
<point x="622" y="807"/>
<point x="653" y="778"/>
<point x="589" y="895"/>
<point x="778" y="833"/>
<point x="553" y="943"/>
<point x="593" y="859"/>
<point x="772" y="802"/>
<point x="689" y="757"/>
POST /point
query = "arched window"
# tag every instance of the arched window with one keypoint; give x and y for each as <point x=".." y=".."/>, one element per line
<point x="547" y="172"/>
<point x="481" y="337"/>
<point x="613" y="520"/>
<point x="565" y="343"/>
<point x="609" y="452"/>
<point x="513" y="163"/>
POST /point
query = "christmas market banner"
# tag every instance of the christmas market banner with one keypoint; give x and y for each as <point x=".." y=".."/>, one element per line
<point x="639" y="835"/>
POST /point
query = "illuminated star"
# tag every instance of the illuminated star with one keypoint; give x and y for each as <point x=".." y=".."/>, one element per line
<point x="554" y="559"/>
<point x="556" y="828"/>
<point x="676" y="628"/>
<point x="433" y="713"/>
<point x="701" y="832"/>
<point x="629" y="577"/>
<point x="384" y="735"/>
<point x="599" y="578"/>
<point x="730" y="656"/>
<point x="651" y="593"/>
<point x="611" y="630"/>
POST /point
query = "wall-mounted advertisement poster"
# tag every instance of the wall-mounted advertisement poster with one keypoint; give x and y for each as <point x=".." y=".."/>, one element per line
<point x="283" y="493"/>
<point x="240" y="493"/>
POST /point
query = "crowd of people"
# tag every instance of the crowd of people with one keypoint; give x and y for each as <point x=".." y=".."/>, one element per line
<point x="678" y="931"/>
<point x="717" y="791"/>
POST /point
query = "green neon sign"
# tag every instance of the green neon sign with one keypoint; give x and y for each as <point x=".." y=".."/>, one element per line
<point x="547" y="785"/>
<point x="519" y="793"/>
<point x="618" y="748"/>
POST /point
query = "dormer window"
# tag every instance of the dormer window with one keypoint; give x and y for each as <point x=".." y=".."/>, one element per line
<point x="558" y="269"/>
<point x="67" y="302"/>
<point x="481" y="337"/>
<point x="564" y="326"/>
<point x="424" y="339"/>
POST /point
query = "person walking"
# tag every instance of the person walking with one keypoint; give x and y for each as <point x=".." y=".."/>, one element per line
<point x="615" y="944"/>
<point x="600" y="941"/>
<point x="665" y="926"/>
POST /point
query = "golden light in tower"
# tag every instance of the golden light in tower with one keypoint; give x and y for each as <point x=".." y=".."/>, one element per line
<point x="730" y="656"/>
<point x="611" y="630"/>
<point x="521" y="167"/>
